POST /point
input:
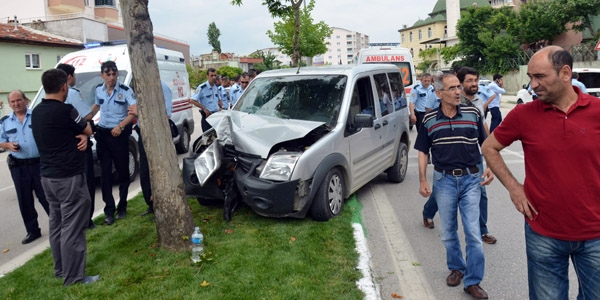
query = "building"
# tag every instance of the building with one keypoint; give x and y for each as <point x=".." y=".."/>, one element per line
<point x="342" y="45"/>
<point x="436" y="31"/>
<point x="26" y="53"/>
<point x="83" y="20"/>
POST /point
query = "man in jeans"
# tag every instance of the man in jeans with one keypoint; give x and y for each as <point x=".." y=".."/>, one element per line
<point x="559" y="198"/>
<point x="452" y="132"/>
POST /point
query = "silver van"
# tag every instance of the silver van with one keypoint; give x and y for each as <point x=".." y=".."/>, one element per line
<point x="300" y="141"/>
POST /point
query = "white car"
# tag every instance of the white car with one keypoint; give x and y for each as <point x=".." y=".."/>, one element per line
<point x="590" y="77"/>
<point x="524" y="95"/>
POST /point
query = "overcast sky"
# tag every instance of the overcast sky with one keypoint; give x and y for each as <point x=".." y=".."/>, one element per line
<point x="243" y="29"/>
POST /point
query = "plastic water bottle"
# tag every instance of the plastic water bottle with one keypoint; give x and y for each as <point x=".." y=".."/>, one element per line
<point x="197" y="246"/>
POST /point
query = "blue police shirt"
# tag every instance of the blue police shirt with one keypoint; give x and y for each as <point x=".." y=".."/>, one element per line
<point x="223" y="96"/>
<point x="113" y="108"/>
<point x="208" y="96"/>
<point x="15" y="131"/>
<point x="433" y="101"/>
<point x="168" y="97"/>
<point x="419" y="95"/>
<point x="484" y="93"/>
<point x="76" y="99"/>
<point x="578" y="84"/>
<point x="496" y="89"/>
<point x="235" y="92"/>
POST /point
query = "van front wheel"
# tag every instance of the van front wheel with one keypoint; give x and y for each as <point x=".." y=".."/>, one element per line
<point x="330" y="197"/>
<point x="184" y="141"/>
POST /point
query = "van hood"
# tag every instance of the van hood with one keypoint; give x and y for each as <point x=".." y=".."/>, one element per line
<point x="257" y="134"/>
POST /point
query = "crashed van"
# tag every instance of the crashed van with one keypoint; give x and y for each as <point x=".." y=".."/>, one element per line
<point x="300" y="141"/>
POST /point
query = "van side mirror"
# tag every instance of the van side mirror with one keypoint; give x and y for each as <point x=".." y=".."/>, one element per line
<point x="362" y="121"/>
<point x="525" y="86"/>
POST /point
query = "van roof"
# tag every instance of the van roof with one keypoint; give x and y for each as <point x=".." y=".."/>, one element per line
<point x="89" y="60"/>
<point x="331" y="70"/>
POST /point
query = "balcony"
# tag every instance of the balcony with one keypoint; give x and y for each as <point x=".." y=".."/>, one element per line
<point x="501" y="3"/>
<point x="107" y="13"/>
<point x="67" y="6"/>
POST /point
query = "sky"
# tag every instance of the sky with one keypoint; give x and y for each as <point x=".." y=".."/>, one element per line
<point x="243" y="28"/>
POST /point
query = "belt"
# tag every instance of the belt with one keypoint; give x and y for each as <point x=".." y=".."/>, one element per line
<point x="18" y="162"/>
<point x="98" y="128"/>
<point x="459" y="172"/>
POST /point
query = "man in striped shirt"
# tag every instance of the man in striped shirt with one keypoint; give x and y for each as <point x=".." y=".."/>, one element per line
<point x="452" y="132"/>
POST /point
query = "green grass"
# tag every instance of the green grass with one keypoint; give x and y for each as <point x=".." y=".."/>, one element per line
<point x="250" y="257"/>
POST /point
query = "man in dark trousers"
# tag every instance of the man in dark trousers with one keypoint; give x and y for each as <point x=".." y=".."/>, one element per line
<point x="61" y="135"/>
<point x="23" y="162"/>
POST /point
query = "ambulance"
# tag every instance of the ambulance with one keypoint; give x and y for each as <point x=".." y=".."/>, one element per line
<point x="172" y="69"/>
<point x="390" y="53"/>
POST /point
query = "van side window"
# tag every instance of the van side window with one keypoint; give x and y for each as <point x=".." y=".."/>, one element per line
<point x="383" y="93"/>
<point x="365" y="96"/>
<point x="398" y="92"/>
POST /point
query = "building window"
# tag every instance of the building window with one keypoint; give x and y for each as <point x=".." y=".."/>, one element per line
<point x="410" y="37"/>
<point x="420" y="35"/>
<point x="104" y="2"/>
<point x="58" y="58"/>
<point x="32" y="61"/>
<point x="402" y="38"/>
<point x="86" y="2"/>
<point x="337" y="36"/>
<point x="429" y="32"/>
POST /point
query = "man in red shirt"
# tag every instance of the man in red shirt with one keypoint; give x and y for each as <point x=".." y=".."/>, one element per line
<point x="560" y="200"/>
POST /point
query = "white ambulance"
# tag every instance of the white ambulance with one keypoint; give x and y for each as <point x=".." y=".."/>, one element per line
<point x="390" y="53"/>
<point x="172" y="69"/>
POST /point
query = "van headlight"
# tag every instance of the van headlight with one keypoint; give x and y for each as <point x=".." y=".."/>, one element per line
<point x="280" y="166"/>
<point x="207" y="163"/>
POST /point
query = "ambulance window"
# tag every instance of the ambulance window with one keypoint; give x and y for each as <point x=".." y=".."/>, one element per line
<point x="398" y="93"/>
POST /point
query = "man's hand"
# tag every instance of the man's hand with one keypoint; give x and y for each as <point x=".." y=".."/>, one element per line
<point x="424" y="189"/>
<point x="522" y="204"/>
<point x="488" y="177"/>
<point x="83" y="142"/>
<point x="116" y="131"/>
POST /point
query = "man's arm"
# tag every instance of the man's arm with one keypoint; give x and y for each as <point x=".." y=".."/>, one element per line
<point x="491" y="151"/>
<point x="424" y="189"/>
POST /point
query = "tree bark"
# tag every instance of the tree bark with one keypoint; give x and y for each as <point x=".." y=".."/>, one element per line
<point x="296" y="55"/>
<point x="174" y="219"/>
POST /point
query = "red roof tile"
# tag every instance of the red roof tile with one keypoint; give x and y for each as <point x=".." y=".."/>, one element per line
<point x="26" y="35"/>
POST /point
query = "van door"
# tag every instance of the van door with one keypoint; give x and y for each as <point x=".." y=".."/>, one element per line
<point x="364" y="144"/>
<point x="389" y="121"/>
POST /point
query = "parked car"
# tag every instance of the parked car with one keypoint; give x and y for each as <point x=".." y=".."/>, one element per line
<point x="590" y="77"/>
<point x="524" y="95"/>
<point x="301" y="141"/>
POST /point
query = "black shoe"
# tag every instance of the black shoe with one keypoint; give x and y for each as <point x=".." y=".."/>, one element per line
<point x="91" y="225"/>
<point x="149" y="211"/>
<point x="109" y="220"/>
<point x="90" y="279"/>
<point x="121" y="215"/>
<point x="30" y="238"/>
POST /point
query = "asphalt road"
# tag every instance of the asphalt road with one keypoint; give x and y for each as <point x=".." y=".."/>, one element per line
<point x="410" y="260"/>
<point x="12" y="230"/>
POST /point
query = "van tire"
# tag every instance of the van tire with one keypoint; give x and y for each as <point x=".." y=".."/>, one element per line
<point x="329" y="198"/>
<point x="519" y="101"/>
<point x="134" y="163"/>
<point x="397" y="172"/>
<point x="184" y="141"/>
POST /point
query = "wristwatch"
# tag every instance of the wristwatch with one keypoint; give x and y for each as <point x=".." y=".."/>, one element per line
<point x="122" y="128"/>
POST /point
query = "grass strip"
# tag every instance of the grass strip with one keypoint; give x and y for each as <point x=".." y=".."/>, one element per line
<point x="250" y="257"/>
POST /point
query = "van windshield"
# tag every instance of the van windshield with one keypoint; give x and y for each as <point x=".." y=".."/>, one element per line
<point x="86" y="84"/>
<point x="310" y="98"/>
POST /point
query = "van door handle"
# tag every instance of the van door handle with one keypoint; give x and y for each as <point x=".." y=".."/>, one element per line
<point x="385" y="122"/>
<point x="377" y="126"/>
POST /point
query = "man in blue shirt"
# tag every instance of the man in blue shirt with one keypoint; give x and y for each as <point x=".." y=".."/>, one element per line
<point x="113" y="99"/>
<point x="24" y="162"/>
<point x="237" y="89"/>
<point x="575" y="82"/>
<point x="452" y="132"/>
<point x="494" y="105"/>
<point x="84" y="109"/>
<point x="418" y="98"/>
<point x="207" y="98"/>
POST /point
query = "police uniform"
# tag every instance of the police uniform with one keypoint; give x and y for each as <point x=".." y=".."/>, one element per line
<point x="208" y="96"/>
<point x="75" y="98"/>
<point x="24" y="168"/>
<point x="110" y="149"/>
<point x="418" y="96"/>
<point x="223" y="95"/>
<point x="235" y="92"/>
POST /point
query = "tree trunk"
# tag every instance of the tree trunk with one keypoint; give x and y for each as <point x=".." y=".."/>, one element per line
<point x="174" y="218"/>
<point x="296" y="55"/>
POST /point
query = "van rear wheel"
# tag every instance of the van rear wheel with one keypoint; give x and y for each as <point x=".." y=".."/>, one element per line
<point x="184" y="141"/>
<point x="397" y="172"/>
<point x="330" y="197"/>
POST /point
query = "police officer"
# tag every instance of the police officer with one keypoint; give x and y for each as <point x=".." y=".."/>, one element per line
<point x="84" y="109"/>
<point x="23" y="162"/>
<point x="207" y="98"/>
<point x="223" y="95"/>
<point x="113" y="99"/>
<point x="237" y="89"/>
<point x="418" y="98"/>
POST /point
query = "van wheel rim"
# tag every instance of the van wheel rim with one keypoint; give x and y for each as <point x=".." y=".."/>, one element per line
<point x="334" y="194"/>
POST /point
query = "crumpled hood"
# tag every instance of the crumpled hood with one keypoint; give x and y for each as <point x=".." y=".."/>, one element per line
<point x="256" y="134"/>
